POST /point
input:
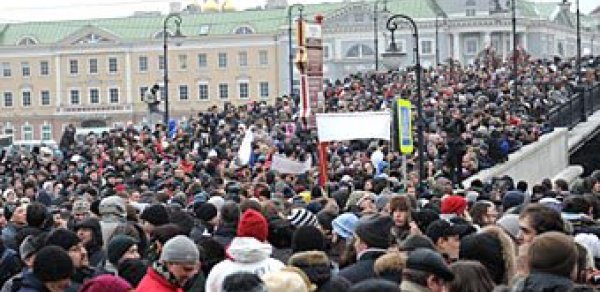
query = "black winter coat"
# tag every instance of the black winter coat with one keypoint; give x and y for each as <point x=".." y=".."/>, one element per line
<point x="363" y="269"/>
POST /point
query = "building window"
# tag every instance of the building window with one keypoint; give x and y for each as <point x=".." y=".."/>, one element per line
<point x="6" y="72"/>
<point x="73" y="67"/>
<point x="182" y="62"/>
<point x="263" y="57"/>
<point x="25" y="70"/>
<point x="222" y="60"/>
<point x="471" y="46"/>
<point x="94" y="95"/>
<point x="202" y="61"/>
<point x="44" y="68"/>
<point x="8" y="129"/>
<point x="163" y="93"/>
<point x="223" y="91"/>
<point x="26" y="97"/>
<point x="74" y="94"/>
<point x="143" y="64"/>
<point x="264" y="89"/>
<point x="93" y="66"/>
<point x="27" y="134"/>
<point x="113" y="95"/>
<point x="204" y="29"/>
<point x="161" y="62"/>
<point x="243" y="59"/>
<point x="243" y="90"/>
<point x="183" y="92"/>
<point x="426" y="47"/>
<point x="203" y="91"/>
<point x="27" y="41"/>
<point x="46" y="132"/>
<point x="244" y="30"/>
<point x="113" y="65"/>
<point x="470" y="12"/>
<point x="326" y="53"/>
<point x="360" y="51"/>
<point x="45" y="97"/>
<point x="8" y="99"/>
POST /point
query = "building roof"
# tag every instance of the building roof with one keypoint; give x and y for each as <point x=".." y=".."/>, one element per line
<point x="145" y="27"/>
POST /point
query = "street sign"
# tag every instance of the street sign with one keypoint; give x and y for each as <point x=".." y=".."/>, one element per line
<point x="405" y="137"/>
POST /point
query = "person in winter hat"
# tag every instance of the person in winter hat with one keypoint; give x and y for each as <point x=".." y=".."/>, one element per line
<point x="373" y="237"/>
<point x="52" y="271"/>
<point x="425" y="270"/>
<point x="249" y="251"/>
<point x="301" y="217"/>
<point x="315" y="264"/>
<point x="120" y="248"/>
<point x="308" y="238"/>
<point x="289" y="279"/>
<point x="453" y="206"/>
<point x="226" y="231"/>
<point x="106" y="283"/>
<point x="179" y="262"/>
<point x="152" y="217"/>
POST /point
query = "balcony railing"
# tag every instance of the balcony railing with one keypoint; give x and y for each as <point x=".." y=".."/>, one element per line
<point x="94" y="109"/>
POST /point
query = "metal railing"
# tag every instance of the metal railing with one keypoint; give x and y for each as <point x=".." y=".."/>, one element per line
<point x="577" y="109"/>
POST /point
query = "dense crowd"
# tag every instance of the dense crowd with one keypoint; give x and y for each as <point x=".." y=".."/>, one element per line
<point x="176" y="208"/>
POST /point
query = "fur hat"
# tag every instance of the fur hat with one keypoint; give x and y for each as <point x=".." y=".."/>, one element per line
<point x="315" y="264"/>
<point x="289" y="279"/>
<point x="389" y="266"/>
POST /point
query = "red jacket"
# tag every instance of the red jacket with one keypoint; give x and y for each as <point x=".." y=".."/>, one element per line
<point x="156" y="283"/>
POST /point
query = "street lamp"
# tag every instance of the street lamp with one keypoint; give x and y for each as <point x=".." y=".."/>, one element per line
<point x="392" y="26"/>
<point x="300" y="7"/>
<point x="376" y="28"/>
<point x="514" y="35"/>
<point x="177" y="20"/>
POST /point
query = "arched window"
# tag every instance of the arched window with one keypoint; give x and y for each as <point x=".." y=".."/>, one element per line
<point x="244" y="30"/>
<point x="359" y="51"/>
<point x="92" y="38"/>
<point x="27" y="41"/>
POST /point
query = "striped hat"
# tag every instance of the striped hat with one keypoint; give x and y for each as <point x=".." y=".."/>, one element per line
<point x="302" y="217"/>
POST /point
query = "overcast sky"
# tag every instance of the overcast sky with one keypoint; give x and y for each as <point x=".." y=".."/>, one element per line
<point x="38" y="10"/>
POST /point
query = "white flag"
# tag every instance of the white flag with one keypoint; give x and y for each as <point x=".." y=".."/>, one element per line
<point x="246" y="147"/>
<point x="283" y="164"/>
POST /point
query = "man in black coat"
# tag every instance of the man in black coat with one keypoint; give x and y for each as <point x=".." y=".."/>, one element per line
<point x="372" y="240"/>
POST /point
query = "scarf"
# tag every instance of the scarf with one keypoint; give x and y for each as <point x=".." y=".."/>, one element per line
<point x="161" y="269"/>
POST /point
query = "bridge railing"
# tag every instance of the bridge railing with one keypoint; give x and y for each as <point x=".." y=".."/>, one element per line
<point x="579" y="107"/>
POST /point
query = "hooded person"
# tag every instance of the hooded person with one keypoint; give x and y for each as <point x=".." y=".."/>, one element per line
<point x="373" y="237"/>
<point x="249" y="252"/>
<point x="90" y="233"/>
<point x="494" y="249"/>
<point x="152" y="217"/>
<point x="119" y="249"/>
<point x="113" y="212"/>
<point x="179" y="262"/>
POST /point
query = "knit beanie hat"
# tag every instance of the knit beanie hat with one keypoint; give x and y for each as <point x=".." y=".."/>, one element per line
<point x="206" y="212"/>
<point x="52" y="263"/>
<point x="307" y="238"/>
<point x="301" y="217"/>
<point x="180" y="249"/>
<point x="289" y="279"/>
<point x="315" y="264"/>
<point x="510" y="224"/>
<point x="62" y="238"/>
<point x="553" y="253"/>
<point x="156" y="215"/>
<point x="512" y="199"/>
<point x="117" y="247"/>
<point x="375" y="230"/>
<point x="253" y="224"/>
<point x="453" y="205"/>
<point x="345" y="224"/>
<point x="132" y="270"/>
<point x="486" y="249"/>
<point x="29" y="247"/>
<point x="106" y="283"/>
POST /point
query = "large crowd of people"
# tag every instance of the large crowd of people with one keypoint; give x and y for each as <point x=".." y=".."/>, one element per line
<point x="176" y="208"/>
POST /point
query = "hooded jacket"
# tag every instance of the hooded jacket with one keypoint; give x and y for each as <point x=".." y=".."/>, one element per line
<point x="30" y="283"/>
<point x="245" y="254"/>
<point x="94" y="247"/>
